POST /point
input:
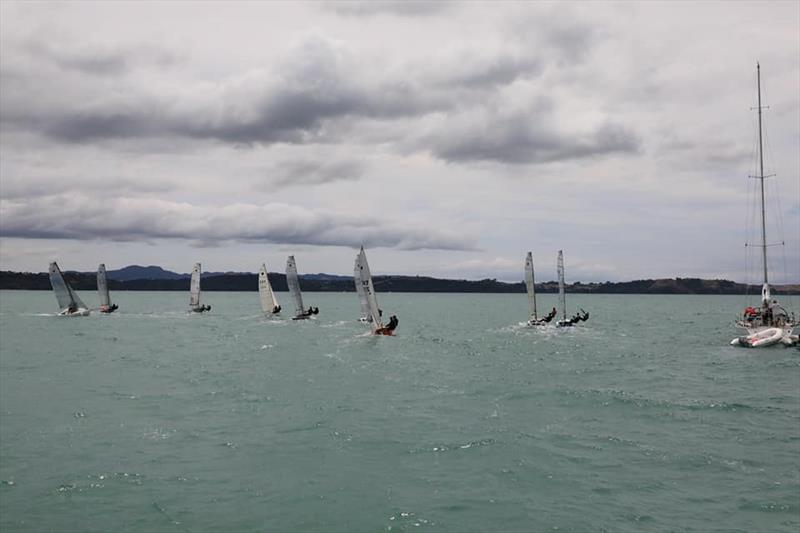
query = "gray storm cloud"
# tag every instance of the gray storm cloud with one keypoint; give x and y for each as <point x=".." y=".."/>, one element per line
<point x="316" y="88"/>
<point x="403" y="8"/>
<point x="130" y="219"/>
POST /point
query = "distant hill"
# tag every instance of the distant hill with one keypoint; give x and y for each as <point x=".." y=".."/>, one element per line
<point x="143" y="272"/>
<point x="136" y="272"/>
<point x="171" y="281"/>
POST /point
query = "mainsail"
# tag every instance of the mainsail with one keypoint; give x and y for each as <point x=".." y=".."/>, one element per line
<point x="362" y="296"/>
<point x="265" y="292"/>
<point x="294" y="285"/>
<point x="365" y="277"/>
<point x="67" y="299"/>
<point x="562" y="299"/>
<point x="194" y="287"/>
<point x="529" y="285"/>
<point x="102" y="287"/>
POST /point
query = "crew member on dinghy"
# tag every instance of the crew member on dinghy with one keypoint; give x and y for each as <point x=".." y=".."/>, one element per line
<point x="389" y="328"/>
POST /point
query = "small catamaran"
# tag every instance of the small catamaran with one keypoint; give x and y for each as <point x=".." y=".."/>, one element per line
<point x="68" y="301"/>
<point x="363" y="279"/>
<point x="534" y="319"/>
<point x="269" y="303"/>
<point x="102" y="288"/>
<point x="194" y="292"/>
<point x="769" y="323"/>
<point x="293" y="282"/>
<point x="562" y="299"/>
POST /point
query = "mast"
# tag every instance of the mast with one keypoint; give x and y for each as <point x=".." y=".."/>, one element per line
<point x="765" y="289"/>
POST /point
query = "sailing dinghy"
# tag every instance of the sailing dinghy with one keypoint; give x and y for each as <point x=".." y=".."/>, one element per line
<point x="102" y="288"/>
<point x="269" y="303"/>
<point x="69" y="302"/>
<point x="562" y="299"/>
<point x="769" y="323"/>
<point x="300" y="313"/>
<point x="363" y="278"/>
<point x="194" y="292"/>
<point x="534" y="319"/>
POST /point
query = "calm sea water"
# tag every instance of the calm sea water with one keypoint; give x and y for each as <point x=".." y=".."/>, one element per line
<point x="152" y="419"/>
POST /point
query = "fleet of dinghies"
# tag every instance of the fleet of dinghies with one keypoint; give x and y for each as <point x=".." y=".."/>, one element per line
<point x="535" y="319"/>
<point x="767" y="326"/>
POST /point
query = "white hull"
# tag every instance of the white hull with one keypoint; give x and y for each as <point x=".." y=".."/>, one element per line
<point x="80" y="312"/>
<point x="537" y="323"/>
<point x="766" y="337"/>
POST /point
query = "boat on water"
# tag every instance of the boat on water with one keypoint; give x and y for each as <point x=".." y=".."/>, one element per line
<point x="194" y="292"/>
<point x="102" y="289"/>
<point x="292" y="280"/>
<point x="534" y="319"/>
<point x="565" y="322"/>
<point x="363" y="279"/>
<point x="269" y="303"/>
<point x="769" y="323"/>
<point x="69" y="302"/>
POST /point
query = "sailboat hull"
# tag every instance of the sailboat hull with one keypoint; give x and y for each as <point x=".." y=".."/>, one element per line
<point x="79" y="312"/>
<point x="537" y="323"/>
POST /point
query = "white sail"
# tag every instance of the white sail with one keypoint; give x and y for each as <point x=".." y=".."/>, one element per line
<point x="562" y="299"/>
<point x="294" y="285"/>
<point x="194" y="287"/>
<point x="66" y="297"/>
<point x="362" y="296"/>
<point x="102" y="287"/>
<point x="529" y="285"/>
<point x="268" y="300"/>
<point x="365" y="277"/>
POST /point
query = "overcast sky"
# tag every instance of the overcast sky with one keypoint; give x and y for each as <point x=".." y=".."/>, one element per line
<point x="449" y="139"/>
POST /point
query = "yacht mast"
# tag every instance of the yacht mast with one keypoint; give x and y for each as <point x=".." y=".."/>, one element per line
<point x="761" y="177"/>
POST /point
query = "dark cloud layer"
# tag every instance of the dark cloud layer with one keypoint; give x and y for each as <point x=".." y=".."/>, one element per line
<point x="522" y="139"/>
<point x="309" y="172"/>
<point x="317" y="87"/>
<point x="403" y="8"/>
<point x="81" y="217"/>
<point x="99" y="59"/>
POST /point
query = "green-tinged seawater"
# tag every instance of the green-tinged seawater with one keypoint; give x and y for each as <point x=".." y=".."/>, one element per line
<point x="153" y="419"/>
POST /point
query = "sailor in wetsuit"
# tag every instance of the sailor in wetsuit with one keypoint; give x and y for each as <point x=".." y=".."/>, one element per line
<point x="389" y="328"/>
